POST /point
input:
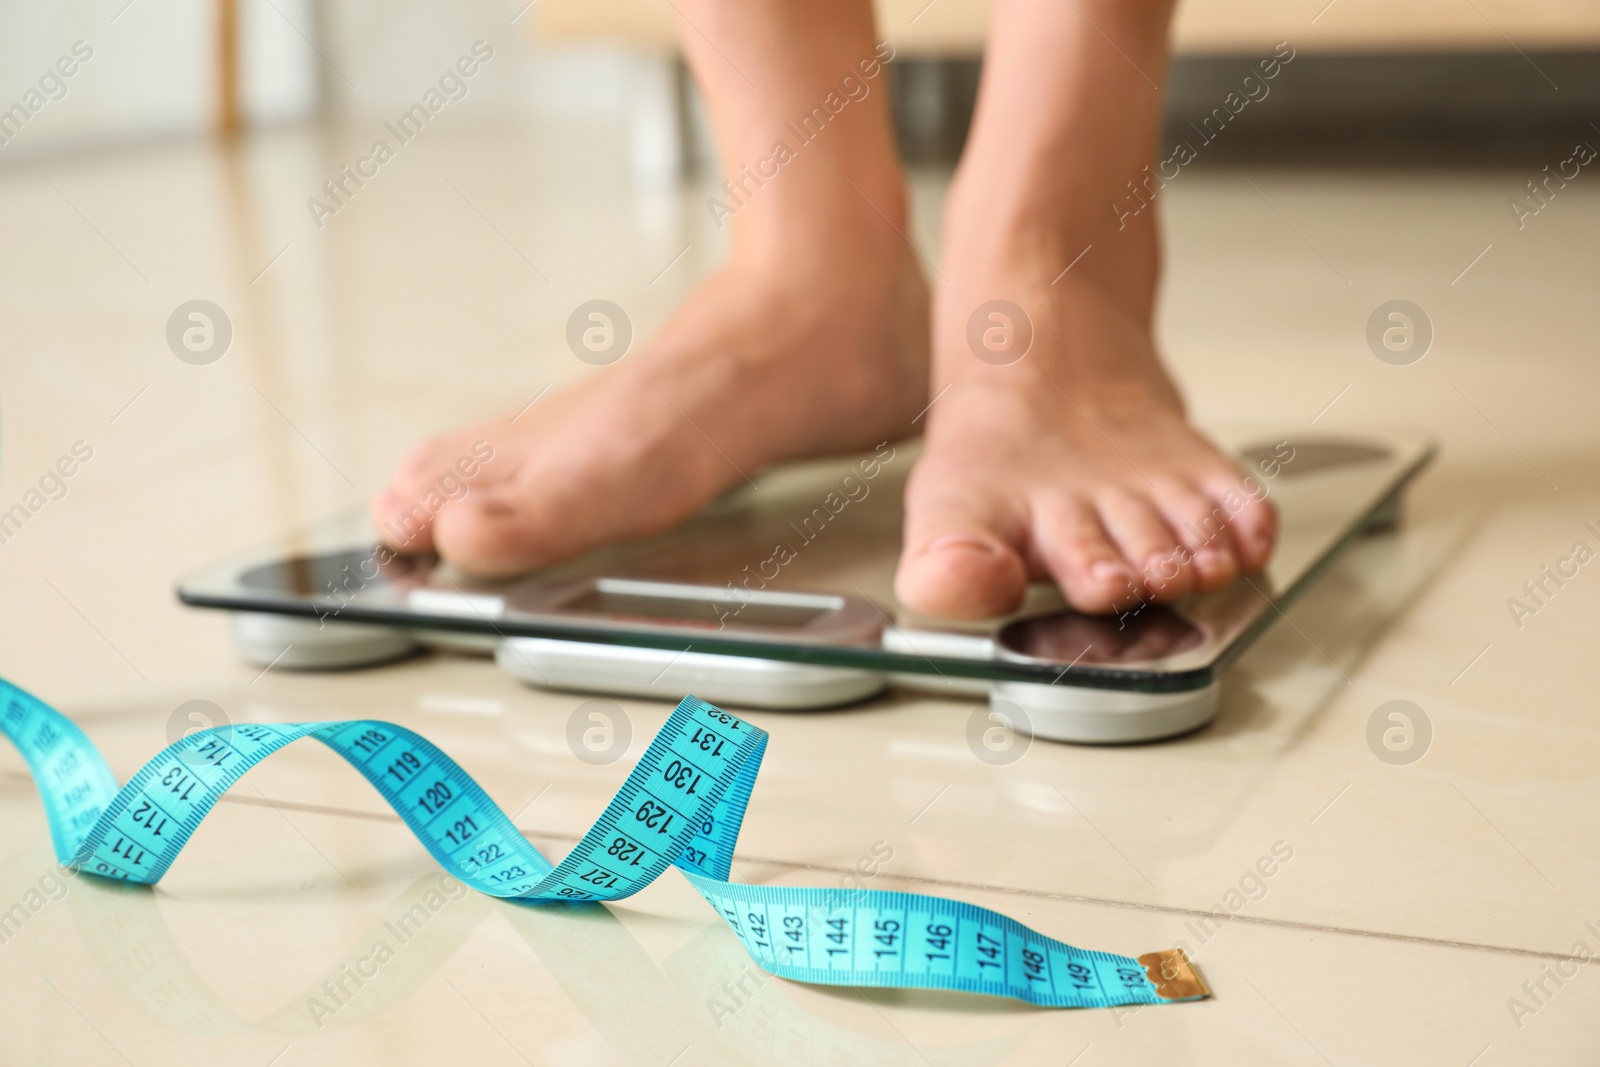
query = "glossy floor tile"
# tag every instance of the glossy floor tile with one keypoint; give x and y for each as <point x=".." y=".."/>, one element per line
<point x="1426" y="912"/>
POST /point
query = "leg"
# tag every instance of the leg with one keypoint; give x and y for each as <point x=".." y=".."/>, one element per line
<point x="811" y="338"/>
<point x="1074" y="463"/>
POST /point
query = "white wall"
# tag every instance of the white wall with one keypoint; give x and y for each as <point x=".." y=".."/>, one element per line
<point x="152" y="73"/>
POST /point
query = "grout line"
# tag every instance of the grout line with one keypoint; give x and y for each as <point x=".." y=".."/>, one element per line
<point x="314" y="809"/>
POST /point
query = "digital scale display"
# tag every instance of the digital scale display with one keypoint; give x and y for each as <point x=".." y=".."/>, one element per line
<point x="713" y="612"/>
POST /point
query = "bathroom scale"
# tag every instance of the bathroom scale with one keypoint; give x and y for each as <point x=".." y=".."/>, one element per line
<point x="780" y="595"/>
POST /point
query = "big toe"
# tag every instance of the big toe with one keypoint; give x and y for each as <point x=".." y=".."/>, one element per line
<point x="499" y="532"/>
<point x="403" y="522"/>
<point x="961" y="573"/>
<point x="435" y="475"/>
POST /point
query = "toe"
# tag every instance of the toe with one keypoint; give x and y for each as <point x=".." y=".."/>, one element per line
<point x="956" y="563"/>
<point x="1202" y="527"/>
<point x="1075" y="549"/>
<point x="1251" y="519"/>
<point x="1148" y="544"/>
<point x="497" y="532"/>
<point x="437" y="473"/>
<point x="403" y="522"/>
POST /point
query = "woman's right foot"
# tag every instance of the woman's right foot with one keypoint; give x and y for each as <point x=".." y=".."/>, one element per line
<point x="812" y="339"/>
<point x="815" y="345"/>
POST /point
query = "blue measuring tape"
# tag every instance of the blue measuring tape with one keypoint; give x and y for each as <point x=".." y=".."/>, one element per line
<point x="681" y="806"/>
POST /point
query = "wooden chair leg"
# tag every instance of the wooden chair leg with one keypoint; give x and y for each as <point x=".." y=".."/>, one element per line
<point x="229" y="119"/>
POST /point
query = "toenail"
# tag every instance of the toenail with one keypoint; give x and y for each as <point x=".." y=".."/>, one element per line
<point x="1107" y="571"/>
<point x="963" y="541"/>
<point x="1209" y="559"/>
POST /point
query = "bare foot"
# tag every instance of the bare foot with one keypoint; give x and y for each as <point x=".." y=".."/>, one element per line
<point x="1074" y="463"/>
<point x="818" y="346"/>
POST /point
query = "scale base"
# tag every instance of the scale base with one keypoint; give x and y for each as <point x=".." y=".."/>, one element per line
<point x="296" y="643"/>
<point x="661" y="674"/>
<point x="1086" y="716"/>
<point x="1055" y="712"/>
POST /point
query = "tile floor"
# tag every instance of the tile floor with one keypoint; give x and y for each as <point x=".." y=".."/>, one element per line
<point x="1418" y="900"/>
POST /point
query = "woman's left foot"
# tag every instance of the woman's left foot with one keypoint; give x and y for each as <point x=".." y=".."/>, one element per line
<point x="1074" y="462"/>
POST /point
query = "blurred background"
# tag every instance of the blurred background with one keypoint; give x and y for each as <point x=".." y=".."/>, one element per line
<point x="1398" y="80"/>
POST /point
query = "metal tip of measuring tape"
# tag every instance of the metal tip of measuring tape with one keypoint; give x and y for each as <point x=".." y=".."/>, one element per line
<point x="1173" y="975"/>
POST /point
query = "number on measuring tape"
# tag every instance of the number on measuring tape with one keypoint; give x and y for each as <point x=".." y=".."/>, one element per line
<point x="682" y="806"/>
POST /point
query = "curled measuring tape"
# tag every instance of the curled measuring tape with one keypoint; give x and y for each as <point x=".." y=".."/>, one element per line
<point x="681" y="806"/>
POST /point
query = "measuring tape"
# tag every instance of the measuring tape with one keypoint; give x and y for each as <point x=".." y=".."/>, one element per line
<point x="681" y="806"/>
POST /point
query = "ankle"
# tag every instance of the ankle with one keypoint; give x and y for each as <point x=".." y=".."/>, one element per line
<point x="858" y="222"/>
<point x="1081" y="338"/>
<point x="1032" y="236"/>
